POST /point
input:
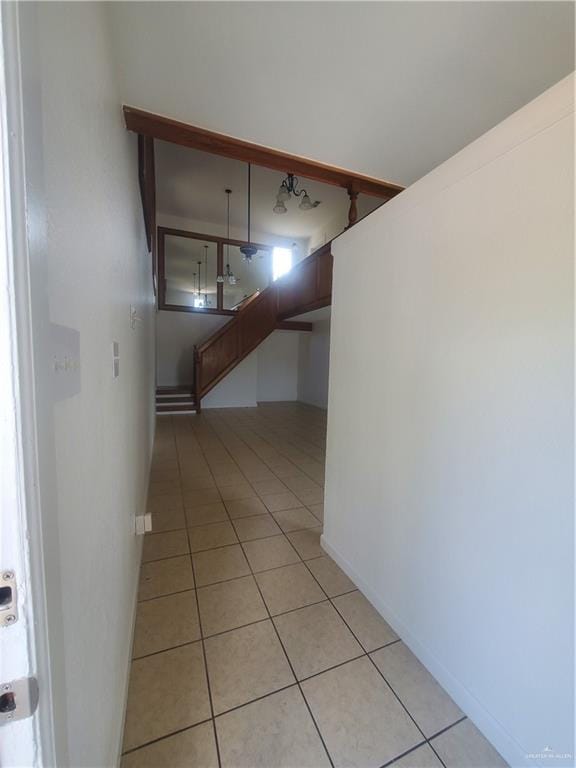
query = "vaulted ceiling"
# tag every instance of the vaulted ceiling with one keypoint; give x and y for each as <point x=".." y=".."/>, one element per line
<point x="390" y="89"/>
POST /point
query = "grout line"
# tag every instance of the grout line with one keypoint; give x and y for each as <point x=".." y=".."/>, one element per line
<point x="289" y="662"/>
<point x="166" y="736"/>
<point x="210" y="699"/>
<point x="408" y="752"/>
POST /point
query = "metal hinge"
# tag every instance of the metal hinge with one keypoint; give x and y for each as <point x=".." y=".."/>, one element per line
<point x="18" y="699"/>
<point x="8" y="599"/>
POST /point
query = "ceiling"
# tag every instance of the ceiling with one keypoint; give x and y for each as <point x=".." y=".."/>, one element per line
<point x="390" y="89"/>
<point x="190" y="185"/>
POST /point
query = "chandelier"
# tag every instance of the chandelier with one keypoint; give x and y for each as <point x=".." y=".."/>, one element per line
<point x="288" y="187"/>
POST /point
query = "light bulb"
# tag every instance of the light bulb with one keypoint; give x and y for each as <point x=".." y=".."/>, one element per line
<point x="283" y="193"/>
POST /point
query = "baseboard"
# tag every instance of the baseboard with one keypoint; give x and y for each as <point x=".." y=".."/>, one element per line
<point x="468" y="703"/>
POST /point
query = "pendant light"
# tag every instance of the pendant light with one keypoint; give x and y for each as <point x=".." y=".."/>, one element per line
<point x="206" y="302"/>
<point x="248" y="250"/>
<point x="228" y="274"/>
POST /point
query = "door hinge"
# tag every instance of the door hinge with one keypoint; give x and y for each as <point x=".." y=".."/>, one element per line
<point x="8" y="599"/>
<point x="18" y="699"/>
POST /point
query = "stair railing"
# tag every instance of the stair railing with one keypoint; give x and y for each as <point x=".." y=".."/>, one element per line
<point x="306" y="287"/>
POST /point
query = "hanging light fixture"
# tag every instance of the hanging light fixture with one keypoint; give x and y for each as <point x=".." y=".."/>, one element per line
<point x="198" y="301"/>
<point x="228" y="274"/>
<point x="206" y="300"/>
<point x="288" y="187"/>
<point x="249" y="250"/>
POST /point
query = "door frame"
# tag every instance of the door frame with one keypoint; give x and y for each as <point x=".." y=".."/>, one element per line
<point x="33" y="645"/>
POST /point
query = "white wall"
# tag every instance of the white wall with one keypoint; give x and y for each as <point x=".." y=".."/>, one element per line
<point x="449" y="489"/>
<point x="314" y="363"/>
<point x="176" y="335"/>
<point x="89" y="263"/>
<point x="174" y="59"/>
<point x="278" y="366"/>
<point x="268" y="373"/>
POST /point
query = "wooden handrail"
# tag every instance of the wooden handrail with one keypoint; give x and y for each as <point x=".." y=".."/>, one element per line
<point x="306" y="287"/>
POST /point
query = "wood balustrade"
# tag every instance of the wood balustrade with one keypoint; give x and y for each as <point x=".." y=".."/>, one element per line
<point x="306" y="287"/>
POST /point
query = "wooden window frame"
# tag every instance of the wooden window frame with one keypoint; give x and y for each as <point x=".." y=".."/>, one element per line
<point x="220" y="243"/>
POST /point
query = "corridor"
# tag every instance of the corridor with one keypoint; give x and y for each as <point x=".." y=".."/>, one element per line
<point x="251" y="647"/>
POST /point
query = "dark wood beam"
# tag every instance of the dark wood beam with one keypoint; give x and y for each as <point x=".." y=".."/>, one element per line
<point x="293" y="325"/>
<point x="159" y="127"/>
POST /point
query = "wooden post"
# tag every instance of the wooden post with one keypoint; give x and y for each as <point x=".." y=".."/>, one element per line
<point x="353" y="210"/>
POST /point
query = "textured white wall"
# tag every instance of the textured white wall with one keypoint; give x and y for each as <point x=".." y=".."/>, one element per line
<point x="449" y="488"/>
<point x="314" y="364"/>
<point x="189" y="61"/>
<point x="90" y="263"/>
<point x="278" y="366"/>
<point x="269" y="373"/>
<point x="176" y="335"/>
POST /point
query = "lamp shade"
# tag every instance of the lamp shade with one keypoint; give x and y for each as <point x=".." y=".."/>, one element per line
<point x="280" y="207"/>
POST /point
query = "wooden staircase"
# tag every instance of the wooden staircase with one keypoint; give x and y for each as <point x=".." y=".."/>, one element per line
<point x="306" y="287"/>
<point x="175" y="399"/>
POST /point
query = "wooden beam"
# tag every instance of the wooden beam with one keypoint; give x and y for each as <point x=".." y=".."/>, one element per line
<point x="159" y="127"/>
<point x="293" y="325"/>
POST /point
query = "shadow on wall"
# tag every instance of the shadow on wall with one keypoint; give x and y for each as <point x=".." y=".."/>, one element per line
<point x="185" y="366"/>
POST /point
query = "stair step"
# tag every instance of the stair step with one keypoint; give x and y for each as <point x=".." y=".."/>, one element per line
<point x="174" y="398"/>
<point x="175" y="407"/>
<point x="184" y="389"/>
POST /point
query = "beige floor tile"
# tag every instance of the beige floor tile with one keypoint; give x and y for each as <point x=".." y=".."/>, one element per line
<point x="193" y="747"/>
<point x="317" y="510"/>
<point x="160" y="545"/>
<point x="285" y="471"/>
<point x="275" y="732"/>
<point x="465" y="747"/>
<point x="166" y="622"/>
<point x="170" y="503"/>
<point x="311" y="496"/>
<point x="206" y="514"/>
<point x="258" y="475"/>
<point x="198" y="483"/>
<point x="157" y="492"/>
<point x="230" y="604"/>
<point x="258" y="527"/>
<point x="229" y="478"/>
<point x="219" y="565"/>
<point x="168" y="692"/>
<point x="316" y="638"/>
<point x="201" y="497"/>
<point x="285" y="589"/>
<point x="276" y="502"/>
<point x="211" y="536"/>
<point x="423" y="697"/>
<point x="266" y="487"/>
<point x="307" y="543"/>
<point x="237" y="491"/>
<point x="245" y="664"/>
<point x="360" y="719"/>
<point x="332" y="579"/>
<point x="295" y="519"/>
<point x="301" y="482"/>
<point x="421" y="757"/>
<point x="245" y="508"/>
<point x="164" y="577"/>
<point x="364" y="620"/>
<point x="171" y="520"/>
<point x="270" y="553"/>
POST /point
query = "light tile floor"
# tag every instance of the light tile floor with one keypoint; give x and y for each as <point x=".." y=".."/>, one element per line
<point x="252" y="648"/>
